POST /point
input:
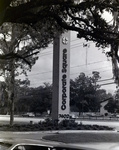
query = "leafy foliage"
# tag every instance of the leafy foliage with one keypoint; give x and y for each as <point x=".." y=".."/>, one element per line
<point x="25" y="45"/>
<point x="37" y="100"/>
<point x="112" y="106"/>
<point x="86" y="17"/>
<point x="113" y="103"/>
<point x="85" y="96"/>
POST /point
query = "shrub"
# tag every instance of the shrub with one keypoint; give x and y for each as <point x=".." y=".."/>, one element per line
<point x="48" y="124"/>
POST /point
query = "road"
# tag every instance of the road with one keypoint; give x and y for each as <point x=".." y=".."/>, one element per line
<point x="23" y="135"/>
<point x="38" y="135"/>
<point x="114" y="124"/>
<point x="5" y="120"/>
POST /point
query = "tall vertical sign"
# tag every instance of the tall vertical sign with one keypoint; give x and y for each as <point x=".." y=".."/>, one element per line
<point x="61" y="77"/>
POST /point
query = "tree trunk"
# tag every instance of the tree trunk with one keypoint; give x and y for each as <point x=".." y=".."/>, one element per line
<point x="114" y="48"/>
<point x="11" y="90"/>
<point x="12" y="79"/>
<point x="12" y="110"/>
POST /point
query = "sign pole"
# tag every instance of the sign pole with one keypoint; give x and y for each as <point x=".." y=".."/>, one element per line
<point x="61" y="77"/>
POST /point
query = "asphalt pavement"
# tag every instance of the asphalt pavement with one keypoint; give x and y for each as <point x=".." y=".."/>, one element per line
<point x="39" y="135"/>
<point x="113" y="124"/>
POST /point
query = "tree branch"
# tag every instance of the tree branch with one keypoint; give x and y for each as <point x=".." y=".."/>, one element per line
<point x="13" y="55"/>
<point x="35" y="53"/>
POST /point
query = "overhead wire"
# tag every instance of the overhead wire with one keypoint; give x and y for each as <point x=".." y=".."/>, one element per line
<point x="51" y="78"/>
<point x="73" y="68"/>
<point x="105" y="80"/>
<point x="72" y="47"/>
<point x="49" y="53"/>
<point x="107" y="83"/>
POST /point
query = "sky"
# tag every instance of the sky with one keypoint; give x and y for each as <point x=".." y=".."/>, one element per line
<point x="82" y="59"/>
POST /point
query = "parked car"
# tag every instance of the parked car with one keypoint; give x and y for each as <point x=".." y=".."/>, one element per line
<point x="99" y="115"/>
<point x="38" y="114"/>
<point x="112" y="115"/>
<point x="23" y="144"/>
<point x="28" y="114"/>
<point x="90" y="114"/>
<point x="73" y="116"/>
<point x="117" y="115"/>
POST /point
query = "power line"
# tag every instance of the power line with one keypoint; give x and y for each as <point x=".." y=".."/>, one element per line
<point x="49" y="53"/>
<point x="107" y="83"/>
<point x="90" y="74"/>
<point x="105" y="80"/>
<point x="70" y="45"/>
<point x="41" y="73"/>
<point x="35" y="74"/>
<point x="51" y="80"/>
<point x="75" y="40"/>
<point x="70" y="68"/>
<point x="90" y="70"/>
<point x="81" y="43"/>
<point x="70" y="74"/>
<point x="73" y="66"/>
<point x="89" y="63"/>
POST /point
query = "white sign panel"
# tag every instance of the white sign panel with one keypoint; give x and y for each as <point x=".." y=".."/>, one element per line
<point x="64" y="76"/>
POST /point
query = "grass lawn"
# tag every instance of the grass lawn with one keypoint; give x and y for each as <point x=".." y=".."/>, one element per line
<point x="83" y="137"/>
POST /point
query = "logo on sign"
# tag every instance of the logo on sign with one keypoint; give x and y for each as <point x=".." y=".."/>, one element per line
<point x="65" y="40"/>
<point x="64" y="79"/>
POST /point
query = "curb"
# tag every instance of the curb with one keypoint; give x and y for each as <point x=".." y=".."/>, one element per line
<point x="61" y="131"/>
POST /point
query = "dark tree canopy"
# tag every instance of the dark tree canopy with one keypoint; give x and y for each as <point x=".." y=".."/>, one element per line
<point x="86" y="17"/>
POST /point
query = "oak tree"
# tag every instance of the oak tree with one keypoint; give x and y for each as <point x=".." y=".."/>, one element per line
<point x="86" y="17"/>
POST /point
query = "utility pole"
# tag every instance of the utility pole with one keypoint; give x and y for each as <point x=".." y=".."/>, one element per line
<point x="87" y="46"/>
